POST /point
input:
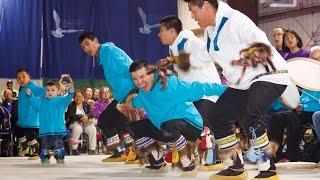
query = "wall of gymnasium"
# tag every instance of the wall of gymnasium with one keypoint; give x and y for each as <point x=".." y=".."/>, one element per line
<point x="307" y="26"/>
<point x="304" y="19"/>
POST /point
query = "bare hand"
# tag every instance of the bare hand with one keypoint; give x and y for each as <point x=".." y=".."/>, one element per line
<point x="131" y="113"/>
<point x="65" y="75"/>
<point x="67" y="81"/>
<point x="85" y="120"/>
<point x="166" y="62"/>
<point x="299" y="108"/>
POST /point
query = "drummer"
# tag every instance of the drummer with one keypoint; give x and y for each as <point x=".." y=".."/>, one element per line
<point x="254" y="87"/>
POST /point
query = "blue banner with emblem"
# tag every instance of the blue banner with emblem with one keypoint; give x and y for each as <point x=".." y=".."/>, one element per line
<point x="133" y="25"/>
<point x="63" y="22"/>
<point x="20" y="37"/>
<point x="144" y="21"/>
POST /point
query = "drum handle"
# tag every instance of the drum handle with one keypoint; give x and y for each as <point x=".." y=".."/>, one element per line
<point x="312" y="97"/>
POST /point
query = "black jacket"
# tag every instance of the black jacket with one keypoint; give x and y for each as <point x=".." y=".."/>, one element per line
<point x="71" y="113"/>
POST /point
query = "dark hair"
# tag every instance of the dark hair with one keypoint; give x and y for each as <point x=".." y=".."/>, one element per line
<point x="85" y="88"/>
<point x="53" y="83"/>
<point x="299" y="43"/>
<point x="22" y="70"/>
<point x="162" y="77"/>
<point x="78" y="91"/>
<point x="85" y="35"/>
<point x="9" y="82"/>
<point x="199" y="3"/>
<point x="137" y="65"/>
<point x="172" y="22"/>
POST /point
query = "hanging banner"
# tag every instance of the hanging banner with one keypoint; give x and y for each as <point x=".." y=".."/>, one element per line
<point x="20" y="37"/>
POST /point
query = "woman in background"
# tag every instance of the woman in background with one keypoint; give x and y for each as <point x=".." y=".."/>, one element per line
<point x="293" y="45"/>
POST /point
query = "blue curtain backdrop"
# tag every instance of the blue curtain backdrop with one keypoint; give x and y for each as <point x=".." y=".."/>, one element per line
<point x="144" y="39"/>
<point x="20" y="36"/>
<point x="130" y="24"/>
<point x="63" y="22"/>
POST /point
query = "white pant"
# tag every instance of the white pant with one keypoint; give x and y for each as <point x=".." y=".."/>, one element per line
<point x="90" y="130"/>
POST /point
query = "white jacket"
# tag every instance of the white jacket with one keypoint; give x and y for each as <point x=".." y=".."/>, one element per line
<point x="202" y="67"/>
<point x="233" y="32"/>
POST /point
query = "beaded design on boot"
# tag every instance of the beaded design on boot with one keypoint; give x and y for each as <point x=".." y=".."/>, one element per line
<point x="23" y="146"/>
<point x="260" y="152"/>
<point x="34" y="150"/>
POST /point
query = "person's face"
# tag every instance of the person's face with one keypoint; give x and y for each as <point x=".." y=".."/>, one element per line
<point x="167" y="36"/>
<point x="96" y="92"/>
<point x="10" y="85"/>
<point x="89" y="46"/>
<point x="315" y="55"/>
<point x="7" y="94"/>
<point x="201" y="15"/>
<point x="23" y="78"/>
<point x="52" y="91"/>
<point x="290" y="40"/>
<point x="78" y="98"/>
<point x="63" y="90"/>
<point x="142" y="79"/>
<point x="105" y="94"/>
<point x="278" y="37"/>
<point x="88" y="93"/>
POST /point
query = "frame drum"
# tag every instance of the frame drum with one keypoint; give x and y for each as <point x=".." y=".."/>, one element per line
<point x="286" y="165"/>
<point x="305" y="73"/>
<point x="296" y="165"/>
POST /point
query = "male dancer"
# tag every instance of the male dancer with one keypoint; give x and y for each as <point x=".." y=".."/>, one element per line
<point x="177" y="119"/>
<point x="115" y="63"/>
<point x="27" y="128"/>
<point x="197" y="67"/>
<point x="252" y="90"/>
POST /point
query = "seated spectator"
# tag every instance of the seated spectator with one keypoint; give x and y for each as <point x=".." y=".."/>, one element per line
<point x="10" y="103"/>
<point x="96" y="94"/>
<point x="293" y="45"/>
<point x="278" y="40"/>
<point x="8" y="99"/>
<point x="9" y="86"/>
<point x="79" y="118"/>
<point x="88" y="93"/>
<point x="315" y="53"/>
<point x="105" y="98"/>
